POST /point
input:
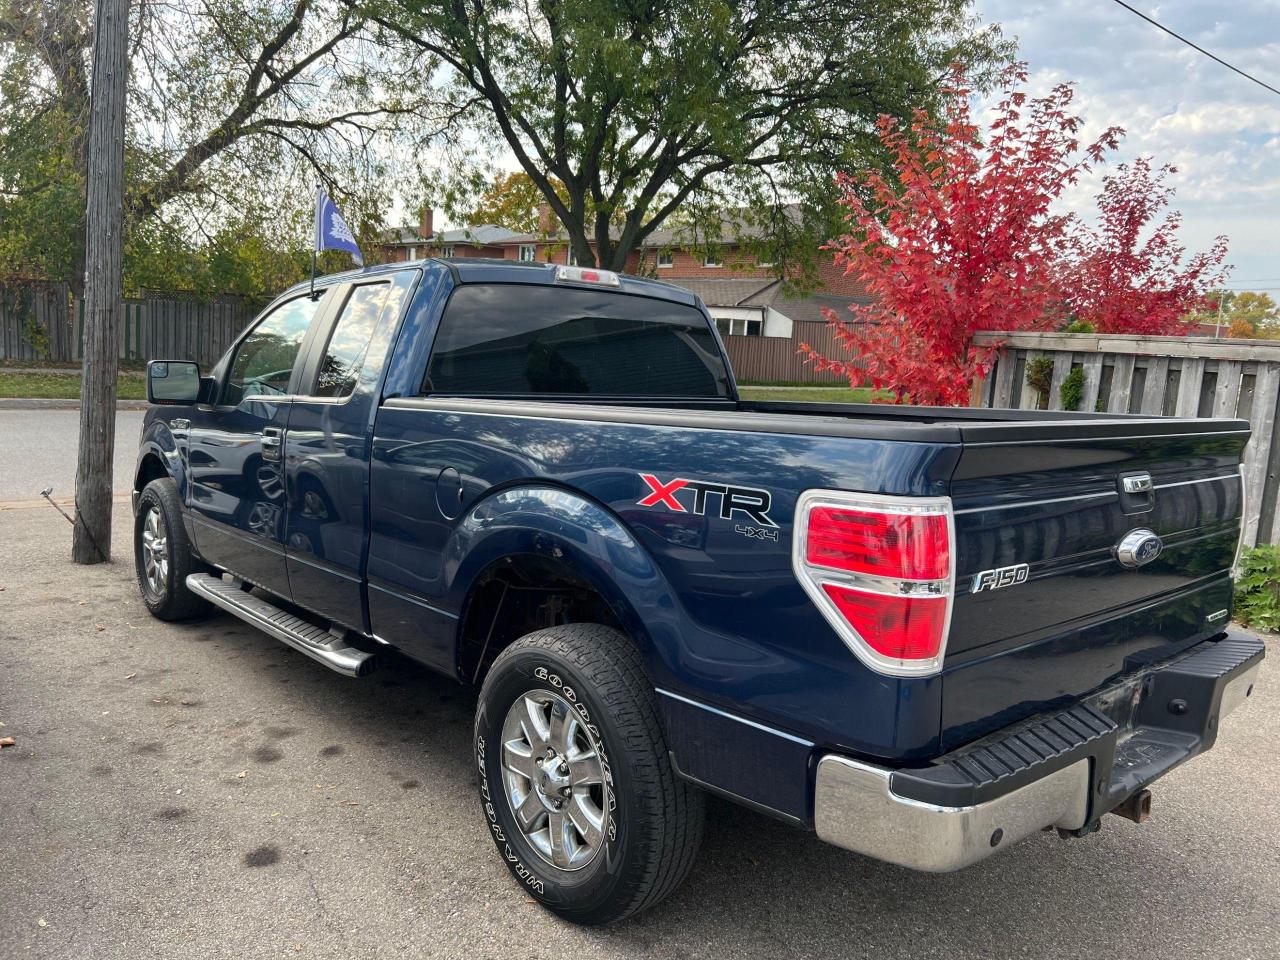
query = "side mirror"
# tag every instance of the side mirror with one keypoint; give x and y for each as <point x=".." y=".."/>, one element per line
<point x="173" y="382"/>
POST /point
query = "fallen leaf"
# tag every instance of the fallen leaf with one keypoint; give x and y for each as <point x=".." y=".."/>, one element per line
<point x="242" y="774"/>
<point x="99" y="627"/>
<point x="6" y="742"/>
<point x="131" y="676"/>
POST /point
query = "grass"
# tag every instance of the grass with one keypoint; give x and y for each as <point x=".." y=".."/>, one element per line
<point x="810" y="394"/>
<point x="63" y="386"/>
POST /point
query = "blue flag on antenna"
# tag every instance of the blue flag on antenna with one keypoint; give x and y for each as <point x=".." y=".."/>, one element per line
<point x="332" y="232"/>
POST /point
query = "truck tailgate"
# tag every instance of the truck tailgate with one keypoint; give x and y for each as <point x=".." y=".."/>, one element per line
<point x="1051" y="496"/>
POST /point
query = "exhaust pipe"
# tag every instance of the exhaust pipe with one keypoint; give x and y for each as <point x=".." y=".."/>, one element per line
<point x="1137" y="808"/>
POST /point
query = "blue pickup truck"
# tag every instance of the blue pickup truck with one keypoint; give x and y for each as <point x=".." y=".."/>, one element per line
<point x="922" y="633"/>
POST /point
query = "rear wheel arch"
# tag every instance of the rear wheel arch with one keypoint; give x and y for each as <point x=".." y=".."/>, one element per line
<point x="576" y="551"/>
<point x="522" y="593"/>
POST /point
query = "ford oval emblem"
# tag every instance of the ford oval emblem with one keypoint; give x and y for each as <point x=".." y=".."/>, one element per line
<point x="1139" y="547"/>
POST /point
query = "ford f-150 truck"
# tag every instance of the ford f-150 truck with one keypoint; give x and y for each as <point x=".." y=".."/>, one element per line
<point x="923" y="633"/>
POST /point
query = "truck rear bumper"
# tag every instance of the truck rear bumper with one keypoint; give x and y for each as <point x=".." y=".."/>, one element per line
<point x="1064" y="770"/>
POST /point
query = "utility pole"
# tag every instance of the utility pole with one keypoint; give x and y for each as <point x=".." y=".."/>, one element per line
<point x="104" y="240"/>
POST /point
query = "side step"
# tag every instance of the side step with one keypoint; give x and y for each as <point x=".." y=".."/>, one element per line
<point x="318" y="644"/>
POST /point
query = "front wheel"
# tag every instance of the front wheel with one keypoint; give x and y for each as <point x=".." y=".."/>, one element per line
<point x="162" y="554"/>
<point x="575" y="780"/>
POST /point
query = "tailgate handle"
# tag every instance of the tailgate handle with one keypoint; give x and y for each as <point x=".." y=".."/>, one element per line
<point x="1137" y="484"/>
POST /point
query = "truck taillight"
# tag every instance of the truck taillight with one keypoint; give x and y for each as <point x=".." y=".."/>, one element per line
<point x="882" y="571"/>
<point x="909" y="546"/>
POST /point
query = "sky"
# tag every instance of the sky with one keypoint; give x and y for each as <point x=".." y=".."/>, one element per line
<point x="1177" y="106"/>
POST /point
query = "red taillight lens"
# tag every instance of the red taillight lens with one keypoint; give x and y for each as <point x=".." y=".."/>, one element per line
<point x="897" y="627"/>
<point x="902" y="545"/>
<point x="879" y="568"/>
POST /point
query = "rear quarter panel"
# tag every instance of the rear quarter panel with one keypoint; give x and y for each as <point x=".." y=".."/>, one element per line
<point x="720" y="615"/>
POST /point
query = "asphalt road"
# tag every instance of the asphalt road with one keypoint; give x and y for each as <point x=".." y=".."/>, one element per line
<point x="202" y="791"/>
<point x="38" y="448"/>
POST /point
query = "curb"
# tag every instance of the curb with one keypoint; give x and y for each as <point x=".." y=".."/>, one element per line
<point x="44" y="403"/>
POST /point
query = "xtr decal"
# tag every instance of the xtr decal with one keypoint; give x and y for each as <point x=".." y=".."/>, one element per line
<point x="750" y="501"/>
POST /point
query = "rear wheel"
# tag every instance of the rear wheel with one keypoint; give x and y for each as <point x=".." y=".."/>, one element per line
<point x="575" y="780"/>
<point x="162" y="554"/>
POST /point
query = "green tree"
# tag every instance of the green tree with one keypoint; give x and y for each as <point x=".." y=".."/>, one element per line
<point x="513" y="202"/>
<point x="645" y="108"/>
<point x="1256" y="311"/>
<point x="236" y="108"/>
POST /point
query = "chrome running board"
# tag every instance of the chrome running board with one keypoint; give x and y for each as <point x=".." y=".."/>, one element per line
<point x="317" y="643"/>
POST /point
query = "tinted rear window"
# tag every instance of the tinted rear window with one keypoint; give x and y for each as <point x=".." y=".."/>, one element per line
<point x="527" y="339"/>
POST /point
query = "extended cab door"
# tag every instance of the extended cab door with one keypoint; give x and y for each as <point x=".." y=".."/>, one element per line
<point x="327" y="447"/>
<point x="237" y="493"/>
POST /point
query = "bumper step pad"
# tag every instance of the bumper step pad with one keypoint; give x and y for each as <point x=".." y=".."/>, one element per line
<point x="1062" y="770"/>
<point x="1135" y="731"/>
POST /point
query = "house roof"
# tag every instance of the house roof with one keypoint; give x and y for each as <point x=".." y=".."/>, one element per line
<point x="734" y="225"/>
<point x="487" y="234"/>
<point x="768" y="292"/>
<point x="730" y="292"/>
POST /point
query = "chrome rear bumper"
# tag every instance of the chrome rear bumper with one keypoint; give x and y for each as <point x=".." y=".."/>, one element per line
<point x="856" y="808"/>
<point x="1044" y="777"/>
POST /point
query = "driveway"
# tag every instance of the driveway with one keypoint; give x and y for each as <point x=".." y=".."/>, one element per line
<point x="202" y="791"/>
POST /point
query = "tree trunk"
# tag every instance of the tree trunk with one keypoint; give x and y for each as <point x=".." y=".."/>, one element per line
<point x="104" y="240"/>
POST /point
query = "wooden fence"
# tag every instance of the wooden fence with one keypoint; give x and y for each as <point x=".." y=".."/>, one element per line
<point x="1166" y="376"/>
<point x="779" y="358"/>
<point x="39" y="322"/>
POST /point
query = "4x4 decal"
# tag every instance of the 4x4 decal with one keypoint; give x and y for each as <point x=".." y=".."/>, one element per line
<point x="750" y="501"/>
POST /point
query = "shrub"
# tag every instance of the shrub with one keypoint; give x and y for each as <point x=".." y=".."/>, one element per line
<point x="1258" y="589"/>
<point x="1078" y="326"/>
<point x="1040" y="377"/>
<point x="1072" y="390"/>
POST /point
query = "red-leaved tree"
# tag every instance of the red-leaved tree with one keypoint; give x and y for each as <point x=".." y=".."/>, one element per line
<point x="963" y="241"/>
<point x="1123" y="276"/>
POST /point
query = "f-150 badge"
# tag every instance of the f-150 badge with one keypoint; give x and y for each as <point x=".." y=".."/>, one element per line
<point x="749" y="501"/>
<point x="999" y="578"/>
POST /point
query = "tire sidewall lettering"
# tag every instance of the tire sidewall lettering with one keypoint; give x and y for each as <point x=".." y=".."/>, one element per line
<point x="492" y="796"/>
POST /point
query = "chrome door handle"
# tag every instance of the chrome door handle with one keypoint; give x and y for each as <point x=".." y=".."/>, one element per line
<point x="271" y="442"/>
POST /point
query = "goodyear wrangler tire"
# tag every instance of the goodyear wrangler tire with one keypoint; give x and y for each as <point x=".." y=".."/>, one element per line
<point x="575" y="782"/>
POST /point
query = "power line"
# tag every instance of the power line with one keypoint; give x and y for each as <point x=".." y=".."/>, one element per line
<point x="1177" y="36"/>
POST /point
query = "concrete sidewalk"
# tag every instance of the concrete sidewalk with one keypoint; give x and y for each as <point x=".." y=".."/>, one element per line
<point x="202" y="791"/>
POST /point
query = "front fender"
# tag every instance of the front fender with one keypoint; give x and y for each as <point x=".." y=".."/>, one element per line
<point x="584" y="537"/>
<point x="158" y="441"/>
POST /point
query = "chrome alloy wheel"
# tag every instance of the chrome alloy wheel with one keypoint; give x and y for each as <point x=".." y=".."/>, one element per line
<point x="553" y="777"/>
<point x="155" y="551"/>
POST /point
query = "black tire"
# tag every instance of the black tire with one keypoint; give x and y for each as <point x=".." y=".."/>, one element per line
<point x="172" y="601"/>
<point x="655" y="826"/>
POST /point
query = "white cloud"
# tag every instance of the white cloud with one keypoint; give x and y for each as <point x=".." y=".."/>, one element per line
<point x="1220" y="130"/>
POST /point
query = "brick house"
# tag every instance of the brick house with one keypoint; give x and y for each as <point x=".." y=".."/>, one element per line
<point x="419" y="242"/>
<point x="761" y="322"/>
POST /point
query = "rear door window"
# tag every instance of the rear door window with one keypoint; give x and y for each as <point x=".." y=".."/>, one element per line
<point x="348" y="345"/>
<point x="521" y="339"/>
